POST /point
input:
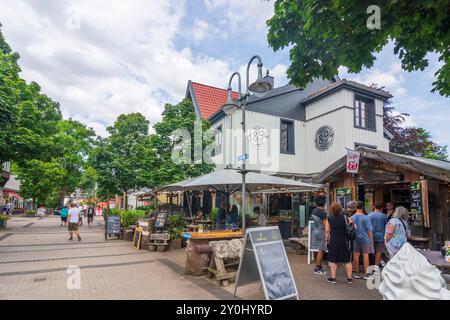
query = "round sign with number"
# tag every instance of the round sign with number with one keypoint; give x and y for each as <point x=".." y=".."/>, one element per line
<point x="258" y="136"/>
<point x="324" y="138"/>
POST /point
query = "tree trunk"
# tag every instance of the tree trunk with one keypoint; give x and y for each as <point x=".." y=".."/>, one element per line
<point x="62" y="195"/>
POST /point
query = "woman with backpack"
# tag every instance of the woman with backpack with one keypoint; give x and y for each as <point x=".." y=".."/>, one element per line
<point x="397" y="231"/>
<point x="337" y="232"/>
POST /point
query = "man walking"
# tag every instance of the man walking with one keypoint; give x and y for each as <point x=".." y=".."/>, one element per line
<point x="64" y="213"/>
<point x="363" y="243"/>
<point x="379" y="221"/>
<point x="74" y="219"/>
<point x="90" y="216"/>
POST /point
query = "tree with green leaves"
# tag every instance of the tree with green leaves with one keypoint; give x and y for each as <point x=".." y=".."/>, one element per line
<point x="72" y="143"/>
<point x="39" y="180"/>
<point x="324" y="35"/>
<point x="28" y="118"/>
<point x="175" y="117"/>
<point x="118" y="158"/>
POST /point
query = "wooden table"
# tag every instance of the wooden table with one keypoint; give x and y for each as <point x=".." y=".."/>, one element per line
<point x="437" y="259"/>
<point x="197" y="260"/>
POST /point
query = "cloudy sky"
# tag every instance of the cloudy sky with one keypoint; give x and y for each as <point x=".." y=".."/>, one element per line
<point x="102" y="58"/>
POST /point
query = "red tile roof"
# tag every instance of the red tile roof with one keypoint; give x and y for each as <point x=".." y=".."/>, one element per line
<point x="210" y="99"/>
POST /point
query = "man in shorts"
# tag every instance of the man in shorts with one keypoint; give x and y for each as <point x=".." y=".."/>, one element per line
<point x="90" y="216"/>
<point x="379" y="221"/>
<point x="363" y="243"/>
<point x="74" y="220"/>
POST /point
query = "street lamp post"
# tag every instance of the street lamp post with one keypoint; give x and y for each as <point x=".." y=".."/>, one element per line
<point x="260" y="86"/>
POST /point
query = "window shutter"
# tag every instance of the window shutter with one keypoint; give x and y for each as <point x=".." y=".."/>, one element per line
<point x="372" y="116"/>
<point x="291" y="138"/>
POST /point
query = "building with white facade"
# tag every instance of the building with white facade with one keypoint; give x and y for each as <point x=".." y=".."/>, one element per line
<point x="295" y="132"/>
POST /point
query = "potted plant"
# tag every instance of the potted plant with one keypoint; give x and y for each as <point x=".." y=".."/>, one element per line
<point x="31" y="213"/>
<point x="176" y="225"/>
<point x="3" y="220"/>
<point x="213" y="216"/>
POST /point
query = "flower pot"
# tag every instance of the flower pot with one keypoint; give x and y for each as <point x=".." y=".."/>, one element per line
<point x="175" y="244"/>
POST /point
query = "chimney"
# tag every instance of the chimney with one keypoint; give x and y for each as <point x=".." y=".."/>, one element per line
<point x="270" y="79"/>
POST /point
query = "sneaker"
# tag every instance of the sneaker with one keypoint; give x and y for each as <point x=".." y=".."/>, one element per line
<point x="70" y="238"/>
<point x="79" y="238"/>
<point x="320" y="271"/>
<point x="350" y="281"/>
<point x="368" y="276"/>
<point x="331" y="280"/>
<point x="356" y="275"/>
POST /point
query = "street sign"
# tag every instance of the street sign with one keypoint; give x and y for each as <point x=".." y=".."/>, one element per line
<point x="264" y="259"/>
<point x="242" y="157"/>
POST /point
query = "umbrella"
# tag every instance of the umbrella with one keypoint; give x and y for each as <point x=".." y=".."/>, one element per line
<point x="231" y="181"/>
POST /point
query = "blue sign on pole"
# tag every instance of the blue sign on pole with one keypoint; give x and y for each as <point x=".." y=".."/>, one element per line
<point x="242" y="157"/>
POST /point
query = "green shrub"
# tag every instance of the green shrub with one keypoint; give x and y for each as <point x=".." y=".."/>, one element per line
<point x="31" y="212"/>
<point x="4" y="218"/>
<point x="131" y="217"/>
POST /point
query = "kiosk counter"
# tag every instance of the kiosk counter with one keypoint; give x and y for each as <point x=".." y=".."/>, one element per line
<point x="198" y="251"/>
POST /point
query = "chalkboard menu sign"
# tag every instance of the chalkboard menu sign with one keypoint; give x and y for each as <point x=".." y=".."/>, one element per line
<point x="113" y="226"/>
<point x="264" y="258"/>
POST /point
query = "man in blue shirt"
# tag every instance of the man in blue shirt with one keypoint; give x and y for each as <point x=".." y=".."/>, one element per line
<point x="363" y="241"/>
<point x="379" y="221"/>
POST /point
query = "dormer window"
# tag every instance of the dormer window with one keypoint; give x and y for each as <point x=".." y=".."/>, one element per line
<point x="365" y="116"/>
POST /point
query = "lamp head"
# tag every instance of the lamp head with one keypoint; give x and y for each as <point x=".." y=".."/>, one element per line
<point x="260" y="86"/>
<point x="230" y="106"/>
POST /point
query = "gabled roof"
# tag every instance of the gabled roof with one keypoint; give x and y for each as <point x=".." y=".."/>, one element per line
<point x="351" y="85"/>
<point x="207" y="100"/>
<point x="286" y="102"/>
<point x="439" y="169"/>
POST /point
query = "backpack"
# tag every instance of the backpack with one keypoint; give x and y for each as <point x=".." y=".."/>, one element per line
<point x="350" y="233"/>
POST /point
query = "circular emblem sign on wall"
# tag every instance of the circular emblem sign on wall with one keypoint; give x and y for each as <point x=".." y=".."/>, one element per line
<point x="258" y="136"/>
<point x="324" y="138"/>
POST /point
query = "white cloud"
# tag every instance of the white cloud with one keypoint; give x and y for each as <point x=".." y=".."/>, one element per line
<point x="392" y="79"/>
<point x="247" y="17"/>
<point x="119" y="57"/>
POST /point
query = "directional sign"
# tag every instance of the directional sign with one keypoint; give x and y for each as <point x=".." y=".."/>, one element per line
<point x="242" y="157"/>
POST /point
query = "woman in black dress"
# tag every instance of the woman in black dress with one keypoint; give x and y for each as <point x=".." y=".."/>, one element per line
<point x="335" y="236"/>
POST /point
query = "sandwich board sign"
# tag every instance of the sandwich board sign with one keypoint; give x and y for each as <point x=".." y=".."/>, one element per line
<point x="264" y="259"/>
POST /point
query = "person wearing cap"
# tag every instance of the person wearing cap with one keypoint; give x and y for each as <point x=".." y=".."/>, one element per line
<point x="351" y="209"/>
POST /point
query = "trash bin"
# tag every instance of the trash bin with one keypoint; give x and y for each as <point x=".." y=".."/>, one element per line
<point x="285" y="229"/>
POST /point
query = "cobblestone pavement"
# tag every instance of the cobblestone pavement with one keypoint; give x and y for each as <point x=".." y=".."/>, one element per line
<point x="35" y="254"/>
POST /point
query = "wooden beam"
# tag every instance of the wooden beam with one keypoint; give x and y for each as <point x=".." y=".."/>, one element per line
<point x="425" y="207"/>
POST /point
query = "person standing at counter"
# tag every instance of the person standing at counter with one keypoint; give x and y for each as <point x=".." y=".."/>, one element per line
<point x="261" y="218"/>
<point x="397" y="231"/>
<point x="379" y="221"/>
<point x="319" y="216"/>
<point x="222" y="216"/>
<point x="363" y="243"/>
<point x="233" y="216"/>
